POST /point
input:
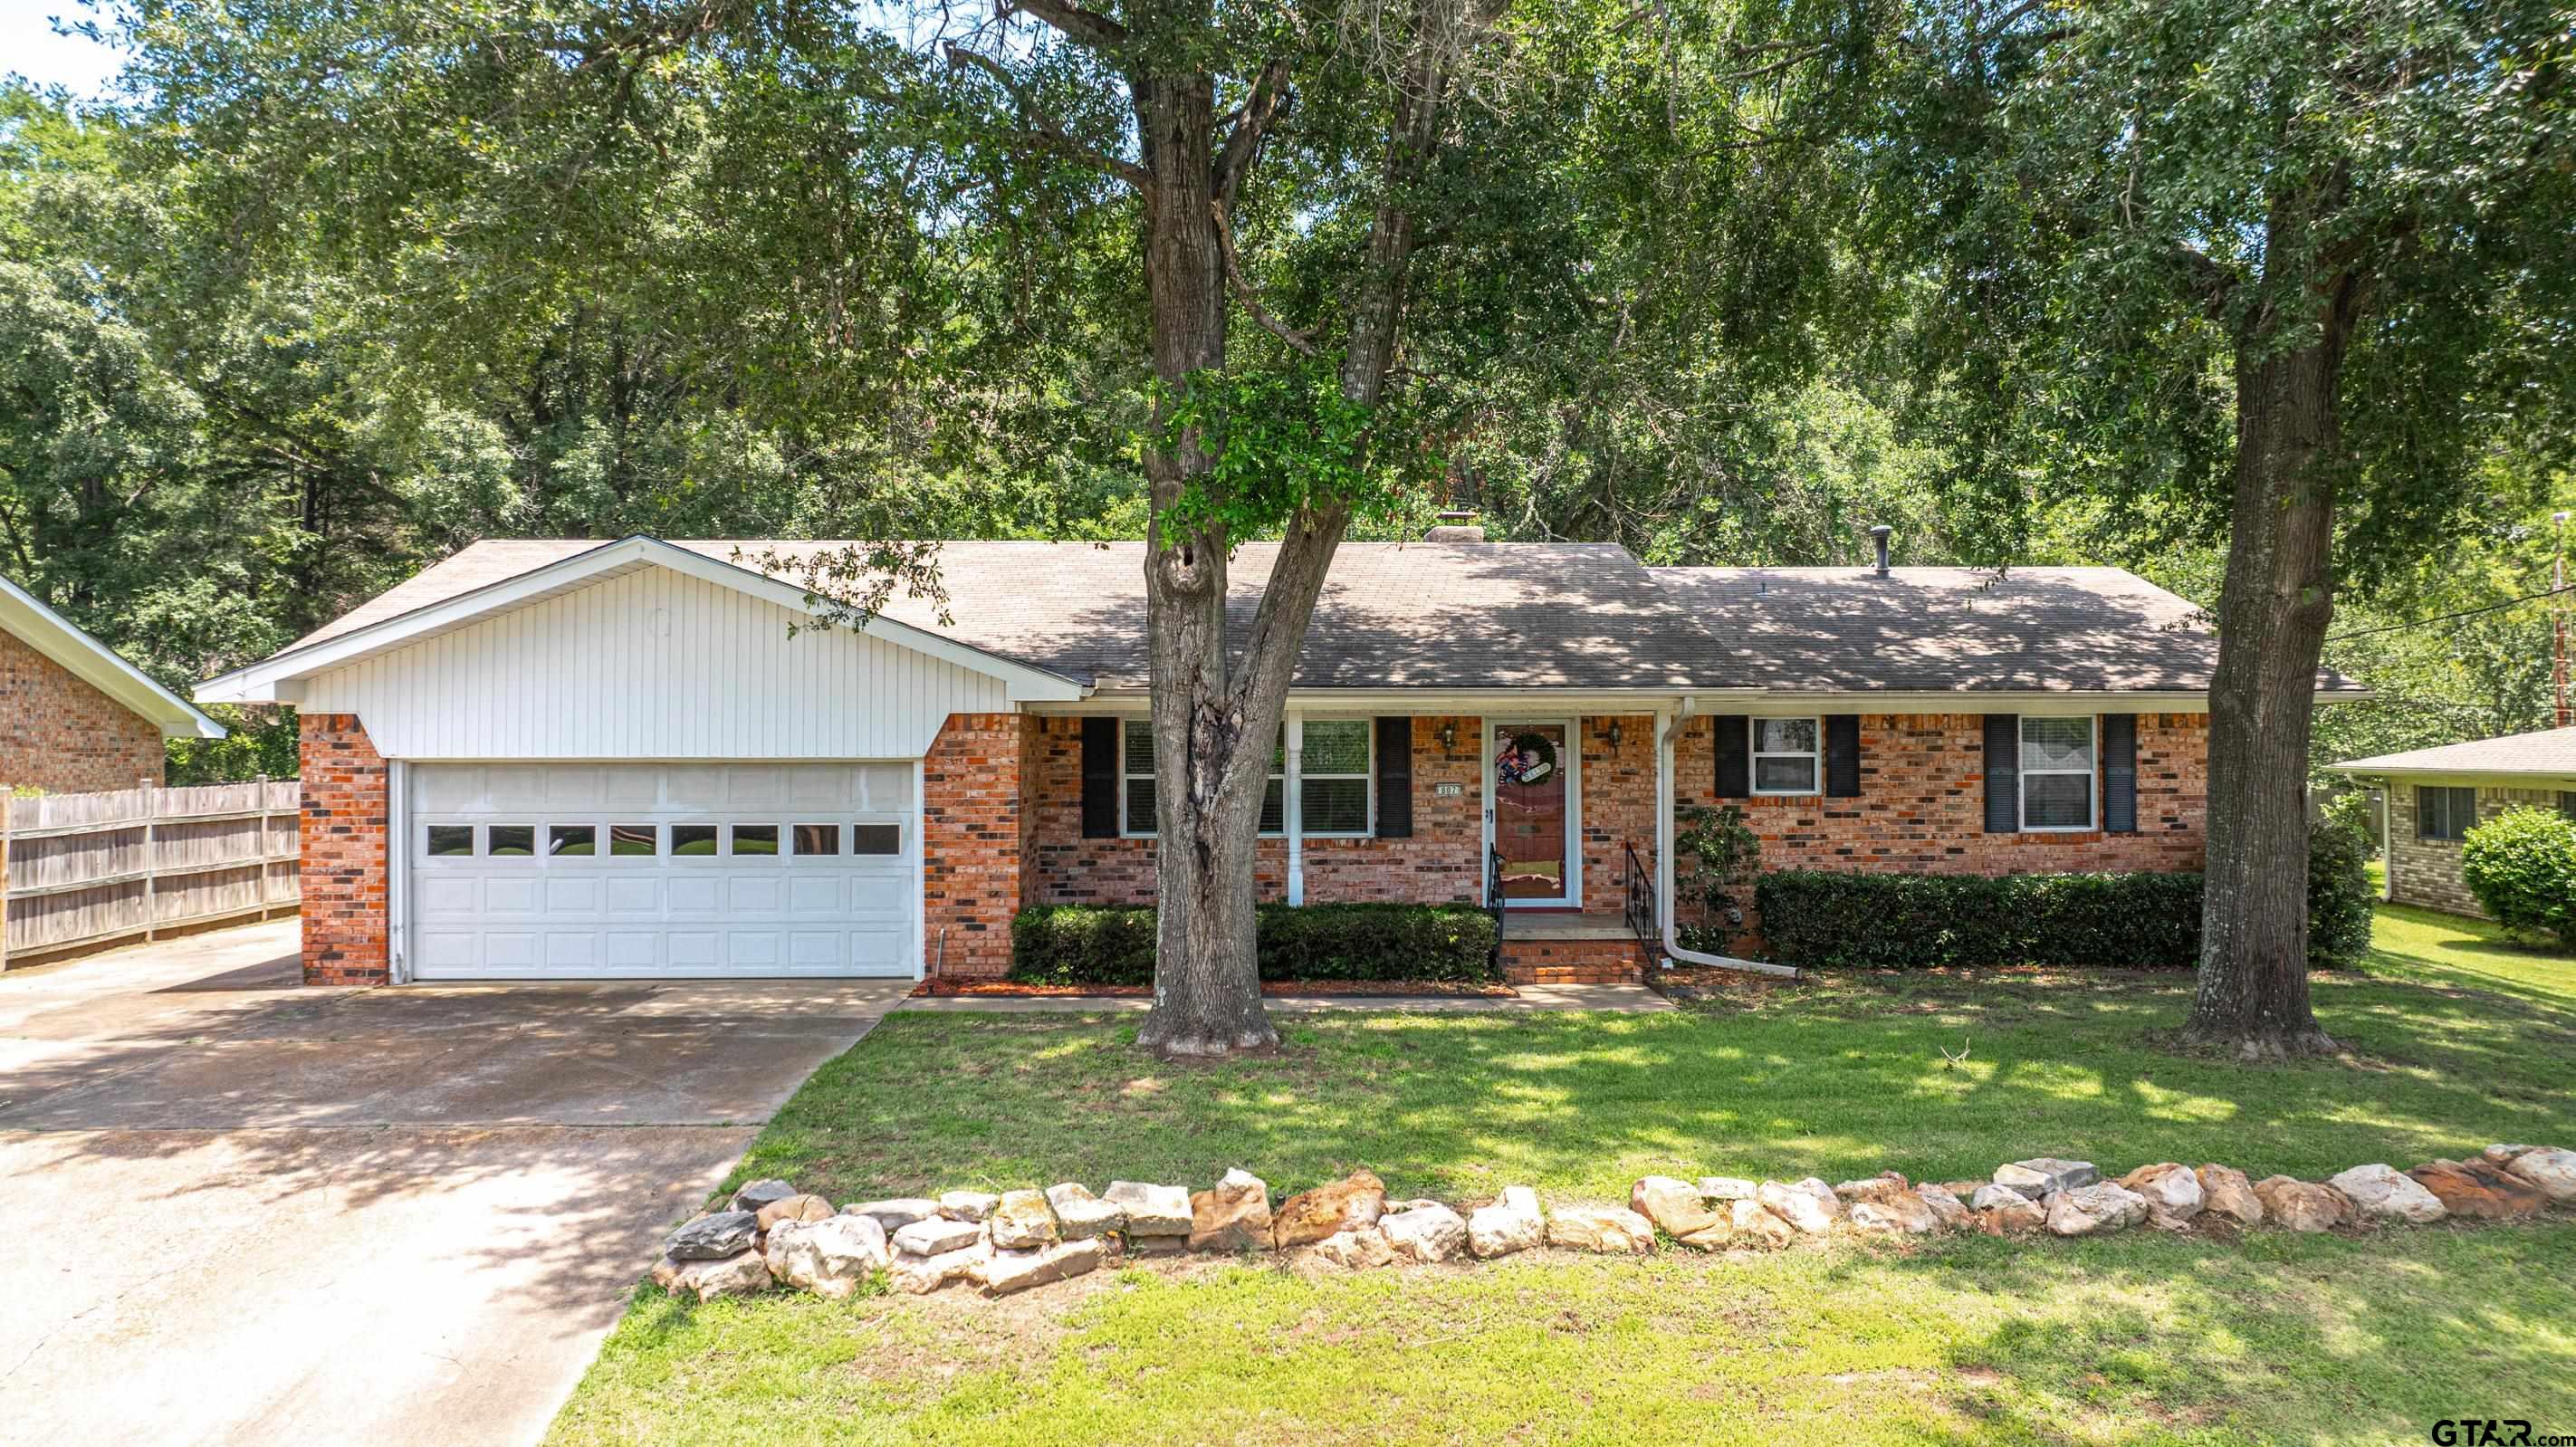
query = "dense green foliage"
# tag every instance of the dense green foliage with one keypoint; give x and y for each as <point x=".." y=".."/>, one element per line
<point x="1828" y="920"/>
<point x="1823" y="919"/>
<point x="2522" y="867"/>
<point x="2340" y="895"/>
<point x="1075" y="944"/>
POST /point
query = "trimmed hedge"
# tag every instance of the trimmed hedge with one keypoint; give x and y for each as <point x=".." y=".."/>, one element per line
<point x="1080" y="944"/>
<point x="1933" y="921"/>
<point x="2522" y="867"/>
<point x="2122" y="921"/>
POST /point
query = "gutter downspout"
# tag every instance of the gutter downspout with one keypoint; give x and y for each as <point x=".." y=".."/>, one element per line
<point x="1664" y="737"/>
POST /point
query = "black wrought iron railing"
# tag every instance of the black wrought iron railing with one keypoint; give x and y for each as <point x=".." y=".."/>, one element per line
<point x="1642" y="920"/>
<point x="1494" y="901"/>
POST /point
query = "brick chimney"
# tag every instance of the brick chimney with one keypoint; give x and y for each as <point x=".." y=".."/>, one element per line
<point x="1455" y="527"/>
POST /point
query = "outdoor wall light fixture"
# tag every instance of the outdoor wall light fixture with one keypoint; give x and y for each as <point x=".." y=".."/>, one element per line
<point x="1614" y="736"/>
<point x="1448" y="736"/>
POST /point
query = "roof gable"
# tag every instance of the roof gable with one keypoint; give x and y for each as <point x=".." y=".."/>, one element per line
<point x="501" y="579"/>
<point x="26" y="618"/>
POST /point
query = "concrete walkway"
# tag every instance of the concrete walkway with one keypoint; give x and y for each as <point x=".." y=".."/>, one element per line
<point x="1532" y="997"/>
<point x="246" y="1211"/>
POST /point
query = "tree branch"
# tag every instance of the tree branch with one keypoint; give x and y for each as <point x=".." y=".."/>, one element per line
<point x="1044" y="133"/>
<point x="1269" y="101"/>
<point x="1074" y="23"/>
<point x="1303" y="342"/>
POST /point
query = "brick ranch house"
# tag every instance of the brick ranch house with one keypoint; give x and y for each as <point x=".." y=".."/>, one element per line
<point x="74" y="717"/>
<point x="574" y="759"/>
<point x="2431" y="798"/>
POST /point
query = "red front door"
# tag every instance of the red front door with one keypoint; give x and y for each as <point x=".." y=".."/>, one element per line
<point x="1532" y="768"/>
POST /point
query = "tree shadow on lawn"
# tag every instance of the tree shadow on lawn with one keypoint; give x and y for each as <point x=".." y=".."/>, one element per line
<point x="1580" y="1105"/>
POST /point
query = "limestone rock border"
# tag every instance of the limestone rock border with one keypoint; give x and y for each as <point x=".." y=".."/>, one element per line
<point x="771" y="1234"/>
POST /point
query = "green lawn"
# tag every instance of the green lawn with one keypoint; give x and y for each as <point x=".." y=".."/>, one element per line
<point x="2458" y="1040"/>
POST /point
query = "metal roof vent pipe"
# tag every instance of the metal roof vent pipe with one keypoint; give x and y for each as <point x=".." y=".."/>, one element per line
<point x="1878" y="534"/>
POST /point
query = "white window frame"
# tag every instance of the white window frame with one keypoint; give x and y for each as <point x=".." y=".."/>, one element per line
<point x="1128" y="828"/>
<point x="1754" y="755"/>
<point x="2092" y="774"/>
<point x="1367" y="777"/>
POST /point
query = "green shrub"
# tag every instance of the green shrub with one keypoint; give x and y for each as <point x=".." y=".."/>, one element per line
<point x="2340" y="898"/>
<point x="1076" y="944"/>
<point x="1930" y="921"/>
<point x="2522" y="867"/>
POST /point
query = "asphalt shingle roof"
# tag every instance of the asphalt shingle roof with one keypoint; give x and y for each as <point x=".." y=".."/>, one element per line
<point x="1536" y="615"/>
<point x="2549" y="751"/>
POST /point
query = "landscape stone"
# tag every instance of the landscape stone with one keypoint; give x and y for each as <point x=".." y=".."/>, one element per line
<point x="760" y="1193"/>
<point x="2301" y="1205"/>
<point x="1151" y="1210"/>
<point x="921" y="1275"/>
<point x="976" y="1206"/>
<point x="1157" y="1245"/>
<point x="794" y="1208"/>
<point x="1946" y="1205"/>
<point x="1357" y="1248"/>
<point x="1425" y="1231"/>
<point x="1511" y="1224"/>
<point x="707" y="1279"/>
<point x="2173" y="1193"/>
<point x="1872" y="1187"/>
<point x="1990" y="1195"/>
<point x="934" y="1236"/>
<point x="2379" y="1193"/>
<point x="2046" y="1176"/>
<point x="1674" y="1205"/>
<point x="1749" y="1224"/>
<point x="1010" y="1271"/>
<point x="1080" y="1215"/>
<point x="2478" y="1190"/>
<point x="2011" y="1214"/>
<point x="1235" y="1216"/>
<point x="896" y="1214"/>
<point x="2506" y="1154"/>
<point x="830" y="1257"/>
<point x="1021" y="1221"/>
<point x="1600" y="1228"/>
<point x="2227" y="1194"/>
<point x="2092" y="1209"/>
<point x="1799" y="1206"/>
<point x="2553" y="1171"/>
<point x="1726" y="1188"/>
<point x="1357" y="1199"/>
<point x="1904" y="1212"/>
<point x="718" y="1236"/>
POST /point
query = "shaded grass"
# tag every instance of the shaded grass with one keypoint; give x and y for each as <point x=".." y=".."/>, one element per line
<point x="2460" y="1038"/>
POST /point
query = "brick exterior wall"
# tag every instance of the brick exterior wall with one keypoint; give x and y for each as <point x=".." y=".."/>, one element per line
<point x="1921" y="808"/>
<point x="346" y="813"/>
<point x="1441" y="863"/>
<point x="63" y="736"/>
<point x="972" y="850"/>
<point x="2427" y="871"/>
<point x="1618" y="787"/>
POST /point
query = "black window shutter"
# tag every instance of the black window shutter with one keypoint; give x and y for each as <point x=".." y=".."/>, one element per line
<point x="2120" y="773"/>
<point x="1100" y="778"/>
<point x="1395" y="777"/>
<point x="1842" y="756"/>
<point x="2003" y="773"/>
<point x="2428" y="824"/>
<point x="1734" y="755"/>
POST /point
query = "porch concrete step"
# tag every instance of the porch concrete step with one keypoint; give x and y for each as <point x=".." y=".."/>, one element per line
<point x="1580" y="961"/>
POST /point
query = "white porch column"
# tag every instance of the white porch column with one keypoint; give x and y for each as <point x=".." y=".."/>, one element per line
<point x="1291" y="810"/>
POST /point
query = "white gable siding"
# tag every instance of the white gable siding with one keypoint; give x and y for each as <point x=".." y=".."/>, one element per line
<point x="652" y="665"/>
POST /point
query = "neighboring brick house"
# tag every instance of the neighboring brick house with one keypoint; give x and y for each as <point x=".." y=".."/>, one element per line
<point x="74" y="717"/>
<point x="2431" y="798"/>
<point x="552" y="759"/>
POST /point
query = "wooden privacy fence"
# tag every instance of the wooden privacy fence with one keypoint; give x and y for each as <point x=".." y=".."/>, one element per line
<point x="83" y="869"/>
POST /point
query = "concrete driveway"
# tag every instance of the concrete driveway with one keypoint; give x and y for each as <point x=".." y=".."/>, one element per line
<point x="240" y="1210"/>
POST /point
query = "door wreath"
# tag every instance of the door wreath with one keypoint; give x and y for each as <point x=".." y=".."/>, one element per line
<point x="1525" y="758"/>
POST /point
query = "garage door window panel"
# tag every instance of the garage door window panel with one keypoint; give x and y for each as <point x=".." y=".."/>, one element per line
<point x="578" y="840"/>
<point x="876" y="839"/>
<point x="450" y="841"/>
<point x="759" y="839"/>
<point x="634" y="841"/>
<point x="817" y="839"/>
<point x="693" y="841"/>
<point x="511" y="841"/>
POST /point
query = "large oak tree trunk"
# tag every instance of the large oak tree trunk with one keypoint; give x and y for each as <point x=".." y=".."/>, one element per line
<point x="1207" y="992"/>
<point x="2272" y="615"/>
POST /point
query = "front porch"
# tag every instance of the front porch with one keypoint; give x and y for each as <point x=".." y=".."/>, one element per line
<point x="1578" y="947"/>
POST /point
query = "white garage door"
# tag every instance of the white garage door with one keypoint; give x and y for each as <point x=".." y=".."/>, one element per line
<point x="565" y="871"/>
